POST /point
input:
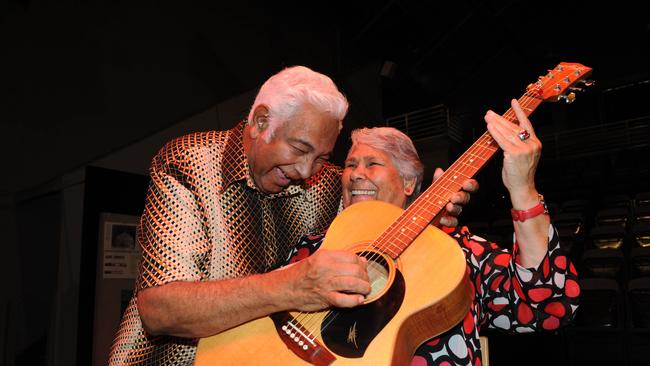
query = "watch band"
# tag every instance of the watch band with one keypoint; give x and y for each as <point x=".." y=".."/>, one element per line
<point x="523" y="215"/>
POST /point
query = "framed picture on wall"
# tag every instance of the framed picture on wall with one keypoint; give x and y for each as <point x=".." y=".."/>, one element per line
<point x="119" y="241"/>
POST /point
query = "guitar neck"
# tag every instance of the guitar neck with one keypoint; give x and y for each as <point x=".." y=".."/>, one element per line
<point x="432" y="201"/>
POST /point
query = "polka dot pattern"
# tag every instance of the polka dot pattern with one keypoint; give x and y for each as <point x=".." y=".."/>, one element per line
<point x="506" y="296"/>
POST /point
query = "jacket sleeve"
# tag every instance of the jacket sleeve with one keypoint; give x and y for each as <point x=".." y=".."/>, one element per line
<point x="518" y="299"/>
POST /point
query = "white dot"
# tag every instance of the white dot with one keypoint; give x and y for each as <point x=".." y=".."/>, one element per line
<point x="502" y="322"/>
<point x="457" y="346"/>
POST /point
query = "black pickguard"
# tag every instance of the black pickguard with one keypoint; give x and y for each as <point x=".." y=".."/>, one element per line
<point x="370" y="319"/>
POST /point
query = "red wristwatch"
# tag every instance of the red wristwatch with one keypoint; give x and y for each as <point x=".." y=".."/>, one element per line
<point x="523" y="215"/>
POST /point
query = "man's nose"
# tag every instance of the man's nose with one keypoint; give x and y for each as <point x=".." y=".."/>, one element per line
<point x="306" y="168"/>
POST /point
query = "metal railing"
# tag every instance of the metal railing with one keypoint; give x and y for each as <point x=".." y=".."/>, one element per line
<point x="423" y="123"/>
<point x="611" y="137"/>
<point x="579" y="142"/>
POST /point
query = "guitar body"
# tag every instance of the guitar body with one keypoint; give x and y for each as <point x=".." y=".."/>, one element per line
<point x="428" y="295"/>
<point x="420" y="295"/>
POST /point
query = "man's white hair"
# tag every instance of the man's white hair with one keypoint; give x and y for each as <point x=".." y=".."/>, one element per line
<point x="286" y="92"/>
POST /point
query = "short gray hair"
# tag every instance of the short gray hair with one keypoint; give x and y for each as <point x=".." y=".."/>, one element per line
<point x="399" y="147"/>
<point x="287" y="91"/>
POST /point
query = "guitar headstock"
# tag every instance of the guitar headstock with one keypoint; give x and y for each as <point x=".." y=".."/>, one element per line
<point x="560" y="82"/>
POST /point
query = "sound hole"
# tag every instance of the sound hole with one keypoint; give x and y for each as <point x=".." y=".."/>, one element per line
<point x="378" y="273"/>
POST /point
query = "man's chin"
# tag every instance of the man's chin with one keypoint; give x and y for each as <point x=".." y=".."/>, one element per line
<point x="273" y="188"/>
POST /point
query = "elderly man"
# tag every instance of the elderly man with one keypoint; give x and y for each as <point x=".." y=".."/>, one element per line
<point x="225" y="207"/>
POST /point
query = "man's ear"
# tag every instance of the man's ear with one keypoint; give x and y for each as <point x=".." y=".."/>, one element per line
<point x="260" y="120"/>
<point x="409" y="186"/>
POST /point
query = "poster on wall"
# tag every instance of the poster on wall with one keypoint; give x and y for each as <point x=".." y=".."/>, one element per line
<point x="120" y="245"/>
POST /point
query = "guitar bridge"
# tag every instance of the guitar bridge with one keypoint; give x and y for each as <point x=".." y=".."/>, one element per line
<point x="300" y="341"/>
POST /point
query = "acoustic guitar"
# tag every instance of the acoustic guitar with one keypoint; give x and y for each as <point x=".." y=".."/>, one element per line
<point x="418" y="273"/>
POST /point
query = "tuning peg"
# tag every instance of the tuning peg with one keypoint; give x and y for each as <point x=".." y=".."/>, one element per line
<point x="576" y="89"/>
<point x="587" y="82"/>
<point x="569" y="98"/>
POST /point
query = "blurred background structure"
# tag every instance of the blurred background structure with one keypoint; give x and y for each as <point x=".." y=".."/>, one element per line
<point x="90" y="91"/>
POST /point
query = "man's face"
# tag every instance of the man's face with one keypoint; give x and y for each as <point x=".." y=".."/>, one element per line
<point x="370" y="174"/>
<point x="297" y="150"/>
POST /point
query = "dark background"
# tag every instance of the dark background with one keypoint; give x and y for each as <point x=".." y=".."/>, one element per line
<point x="82" y="80"/>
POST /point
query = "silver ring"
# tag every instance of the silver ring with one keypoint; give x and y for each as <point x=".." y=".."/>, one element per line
<point x="523" y="135"/>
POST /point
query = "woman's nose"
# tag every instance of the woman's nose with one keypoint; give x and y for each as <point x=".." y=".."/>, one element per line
<point x="358" y="172"/>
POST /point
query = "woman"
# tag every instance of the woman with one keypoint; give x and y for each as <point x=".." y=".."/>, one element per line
<point x="533" y="287"/>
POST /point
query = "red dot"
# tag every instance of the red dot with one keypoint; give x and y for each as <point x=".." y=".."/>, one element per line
<point x="468" y="323"/>
<point x="545" y="267"/>
<point x="502" y="259"/>
<point x="418" y="361"/>
<point x="524" y="314"/>
<point x="496" y="282"/>
<point x="539" y="294"/>
<point x="551" y="323"/>
<point x="555" y="308"/>
<point x="571" y="288"/>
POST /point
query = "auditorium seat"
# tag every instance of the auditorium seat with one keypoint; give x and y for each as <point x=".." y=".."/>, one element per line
<point x="613" y="216"/>
<point x="642" y="199"/>
<point x="641" y="234"/>
<point x="579" y="205"/>
<point x="607" y="237"/>
<point x="615" y="200"/>
<point x="603" y="263"/>
<point x="642" y="214"/>
<point x="638" y="322"/>
<point x="639" y="262"/>
<point x="596" y="336"/>
<point x="571" y="220"/>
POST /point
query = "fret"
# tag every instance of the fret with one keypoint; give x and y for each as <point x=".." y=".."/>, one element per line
<point x="416" y="217"/>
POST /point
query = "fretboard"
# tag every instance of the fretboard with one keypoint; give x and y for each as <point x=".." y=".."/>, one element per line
<point x="431" y="202"/>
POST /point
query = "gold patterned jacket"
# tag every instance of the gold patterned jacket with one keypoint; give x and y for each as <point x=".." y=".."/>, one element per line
<point x="205" y="220"/>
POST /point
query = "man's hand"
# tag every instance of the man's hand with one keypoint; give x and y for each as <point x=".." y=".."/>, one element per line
<point x="329" y="278"/>
<point x="457" y="201"/>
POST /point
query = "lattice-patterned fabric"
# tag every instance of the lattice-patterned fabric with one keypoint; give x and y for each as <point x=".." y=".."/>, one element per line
<point x="205" y="220"/>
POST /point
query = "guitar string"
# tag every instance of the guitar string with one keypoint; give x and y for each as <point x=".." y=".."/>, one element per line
<point x="379" y="244"/>
<point x="311" y="319"/>
<point x="330" y="316"/>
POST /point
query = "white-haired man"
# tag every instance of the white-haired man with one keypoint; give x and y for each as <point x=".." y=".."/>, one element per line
<point x="225" y="207"/>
